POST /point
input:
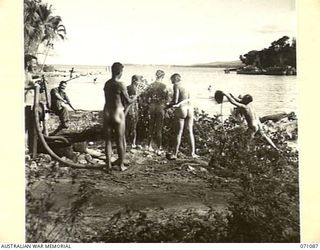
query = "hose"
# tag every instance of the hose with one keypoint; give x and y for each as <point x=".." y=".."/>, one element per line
<point x="45" y="145"/>
<point x="56" y="138"/>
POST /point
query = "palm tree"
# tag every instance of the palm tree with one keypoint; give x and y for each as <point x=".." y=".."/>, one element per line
<point x="41" y="27"/>
<point x="32" y="31"/>
<point x="51" y="25"/>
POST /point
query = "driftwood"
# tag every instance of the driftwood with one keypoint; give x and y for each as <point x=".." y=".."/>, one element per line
<point x="277" y="117"/>
<point x="92" y="134"/>
<point x="72" y="141"/>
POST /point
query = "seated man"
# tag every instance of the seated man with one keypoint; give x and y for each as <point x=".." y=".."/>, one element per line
<point x="247" y="110"/>
<point x="59" y="100"/>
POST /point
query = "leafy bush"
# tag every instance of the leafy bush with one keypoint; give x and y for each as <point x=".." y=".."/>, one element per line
<point x="265" y="207"/>
<point x="189" y="226"/>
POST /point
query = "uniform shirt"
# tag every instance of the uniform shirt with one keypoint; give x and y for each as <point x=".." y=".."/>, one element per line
<point x="55" y="102"/>
<point x="158" y="93"/>
<point x="28" y="89"/>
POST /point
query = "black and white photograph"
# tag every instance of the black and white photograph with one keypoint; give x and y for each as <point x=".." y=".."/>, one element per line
<point x="161" y="121"/>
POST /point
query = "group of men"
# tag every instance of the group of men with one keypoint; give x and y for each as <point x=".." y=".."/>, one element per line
<point x="114" y="113"/>
<point x="121" y="104"/>
<point x="59" y="100"/>
<point x="121" y="100"/>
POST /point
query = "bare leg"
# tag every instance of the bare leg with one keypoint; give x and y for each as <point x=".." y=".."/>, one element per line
<point x="158" y="129"/>
<point x="108" y="145"/>
<point x="134" y="134"/>
<point x="269" y="140"/>
<point x="189" y="121"/>
<point x="179" y="135"/>
<point x="121" y="144"/>
<point x="151" y="131"/>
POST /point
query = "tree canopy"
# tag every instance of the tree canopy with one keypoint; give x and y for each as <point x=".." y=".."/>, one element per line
<point x="280" y="53"/>
<point x="41" y="26"/>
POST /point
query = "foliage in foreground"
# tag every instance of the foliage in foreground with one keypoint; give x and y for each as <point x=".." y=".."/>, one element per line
<point x="265" y="203"/>
<point x="264" y="206"/>
<point x="188" y="226"/>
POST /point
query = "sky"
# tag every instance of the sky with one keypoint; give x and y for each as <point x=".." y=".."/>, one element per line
<point x="100" y="32"/>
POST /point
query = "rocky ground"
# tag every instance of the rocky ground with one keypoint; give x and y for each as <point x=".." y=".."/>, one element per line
<point x="152" y="183"/>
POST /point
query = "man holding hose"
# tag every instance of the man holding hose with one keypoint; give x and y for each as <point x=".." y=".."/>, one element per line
<point x="59" y="100"/>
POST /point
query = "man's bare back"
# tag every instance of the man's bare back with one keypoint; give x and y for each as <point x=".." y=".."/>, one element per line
<point x="114" y="108"/>
<point x="183" y="113"/>
<point x="251" y="117"/>
<point x="113" y="115"/>
<point x="182" y="100"/>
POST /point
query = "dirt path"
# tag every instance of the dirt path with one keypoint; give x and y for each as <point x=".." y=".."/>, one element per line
<point x="151" y="182"/>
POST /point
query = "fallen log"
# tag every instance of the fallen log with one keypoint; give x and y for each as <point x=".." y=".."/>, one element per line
<point x="277" y="117"/>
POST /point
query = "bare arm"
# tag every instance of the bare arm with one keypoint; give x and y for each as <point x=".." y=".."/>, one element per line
<point x="175" y="94"/>
<point x="182" y="102"/>
<point x="31" y="81"/>
<point x="234" y="102"/>
<point x="59" y="97"/>
<point x="235" y="98"/>
<point x="69" y="103"/>
<point x="125" y="94"/>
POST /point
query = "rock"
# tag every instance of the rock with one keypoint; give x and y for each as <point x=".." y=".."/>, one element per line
<point x="123" y="168"/>
<point x="133" y="151"/>
<point x="33" y="166"/>
<point x="192" y="169"/>
<point x="94" y="152"/>
<point x="202" y="169"/>
<point x="45" y="157"/>
<point x="81" y="157"/>
<point x="88" y="157"/>
<point x="84" y="162"/>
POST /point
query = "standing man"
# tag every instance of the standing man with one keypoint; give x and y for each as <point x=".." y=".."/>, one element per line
<point x="59" y="102"/>
<point x="132" y="116"/>
<point x="71" y="72"/>
<point x="113" y="115"/>
<point x="183" y="113"/>
<point x="31" y="80"/>
<point x="159" y="96"/>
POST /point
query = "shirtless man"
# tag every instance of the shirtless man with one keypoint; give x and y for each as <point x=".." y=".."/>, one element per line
<point x="247" y="110"/>
<point x="113" y="115"/>
<point x="183" y="113"/>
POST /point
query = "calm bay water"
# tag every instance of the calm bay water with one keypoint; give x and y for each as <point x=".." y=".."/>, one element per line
<point x="271" y="94"/>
